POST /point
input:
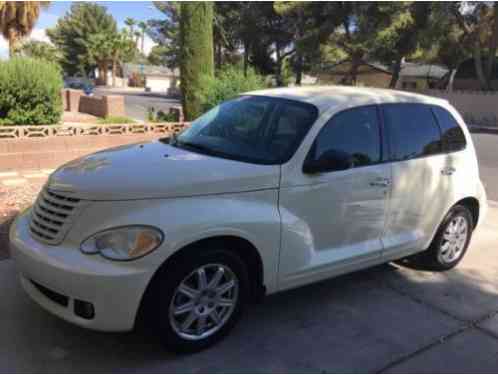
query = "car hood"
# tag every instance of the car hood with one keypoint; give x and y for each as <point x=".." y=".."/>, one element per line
<point x="158" y="170"/>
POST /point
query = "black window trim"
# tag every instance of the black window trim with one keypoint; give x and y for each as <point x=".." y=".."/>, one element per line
<point x="388" y="139"/>
<point x="432" y="107"/>
<point x="384" y="147"/>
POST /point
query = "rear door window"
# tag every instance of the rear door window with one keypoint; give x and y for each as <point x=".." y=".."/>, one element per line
<point x="452" y="135"/>
<point x="412" y="131"/>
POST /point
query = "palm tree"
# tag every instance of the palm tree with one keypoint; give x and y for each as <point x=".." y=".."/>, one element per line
<point x="122" y="48"/>
<point x="143" y="27"/>
<point x="17" y="20"/>
<point x="130" y="22"/>
<point x="99" y="47"/>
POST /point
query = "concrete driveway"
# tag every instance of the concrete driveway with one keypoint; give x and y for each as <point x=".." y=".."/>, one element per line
<point x="385" y="319"/>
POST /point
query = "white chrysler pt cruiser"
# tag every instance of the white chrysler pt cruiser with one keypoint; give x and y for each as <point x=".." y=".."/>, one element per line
<point x="269" y="191"/>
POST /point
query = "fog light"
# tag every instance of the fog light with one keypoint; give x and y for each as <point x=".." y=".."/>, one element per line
<point x="84" y="309"/>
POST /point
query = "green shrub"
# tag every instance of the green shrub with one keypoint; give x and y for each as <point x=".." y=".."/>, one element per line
<point x="161" y="116"/>
<point x="30" y="92"/>
<point x="116" y="120"/>
<point x="229" y="82"/>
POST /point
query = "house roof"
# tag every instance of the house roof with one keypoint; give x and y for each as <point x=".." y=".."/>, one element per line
<point x="326" y="97"/>
<point x="422" y="70"/>
<point x="149" y="70"/>
<point x="407" y="70"/>
<point x="373" y="64"/>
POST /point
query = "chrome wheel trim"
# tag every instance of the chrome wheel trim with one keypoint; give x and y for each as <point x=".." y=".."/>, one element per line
<point x="204" y="301"/>
<point x="454" y="239"/>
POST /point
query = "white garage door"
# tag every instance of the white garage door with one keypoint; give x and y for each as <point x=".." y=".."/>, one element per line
<point x="158" y="84"/>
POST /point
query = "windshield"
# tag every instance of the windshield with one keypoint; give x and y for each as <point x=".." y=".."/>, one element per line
<point x="254" y="129"/>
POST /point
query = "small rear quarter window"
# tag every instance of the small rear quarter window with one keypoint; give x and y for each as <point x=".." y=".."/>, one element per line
<point x="452" y="135"/>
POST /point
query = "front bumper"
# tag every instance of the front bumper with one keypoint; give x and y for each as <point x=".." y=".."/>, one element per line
<point x="114" y="289"/>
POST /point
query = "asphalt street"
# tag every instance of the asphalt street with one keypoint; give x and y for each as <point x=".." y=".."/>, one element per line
<point x="138" y="103"/>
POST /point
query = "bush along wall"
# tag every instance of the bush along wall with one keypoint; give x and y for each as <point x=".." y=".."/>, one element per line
<point x="229" y="82"/>
<point x="30" y="92"/>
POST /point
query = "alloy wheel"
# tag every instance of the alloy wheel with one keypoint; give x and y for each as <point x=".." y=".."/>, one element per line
<point x="454" y="240"/>
<point x="204" y="301"/>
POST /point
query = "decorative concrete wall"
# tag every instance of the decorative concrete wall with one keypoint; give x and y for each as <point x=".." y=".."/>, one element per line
<point x="38" y="147"/>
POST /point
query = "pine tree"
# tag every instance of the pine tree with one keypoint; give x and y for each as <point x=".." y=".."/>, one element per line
<point x="196" y="29"/>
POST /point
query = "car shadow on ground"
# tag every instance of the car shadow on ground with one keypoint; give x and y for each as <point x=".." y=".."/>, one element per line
<point x="361" y="322"/>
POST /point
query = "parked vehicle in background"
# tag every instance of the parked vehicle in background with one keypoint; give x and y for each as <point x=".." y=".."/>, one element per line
<point x="270" y="191"/>
<point x="79" y="83"/>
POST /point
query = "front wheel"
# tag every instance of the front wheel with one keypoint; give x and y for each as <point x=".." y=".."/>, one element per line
<point x="201" y="298"/>
<point x="451" y="241"/>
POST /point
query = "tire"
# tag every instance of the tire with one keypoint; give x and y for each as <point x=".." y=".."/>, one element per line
<point x="169" y="296"/>
<point x="448" y="248"/>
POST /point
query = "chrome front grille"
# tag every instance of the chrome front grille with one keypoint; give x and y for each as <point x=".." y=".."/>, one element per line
<point x="52" y="215"/>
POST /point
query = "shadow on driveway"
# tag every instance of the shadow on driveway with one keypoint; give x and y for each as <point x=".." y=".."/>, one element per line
<point x="364" y="322"/>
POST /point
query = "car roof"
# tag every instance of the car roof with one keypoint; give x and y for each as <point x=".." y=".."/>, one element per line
<point x="326" y="97"/>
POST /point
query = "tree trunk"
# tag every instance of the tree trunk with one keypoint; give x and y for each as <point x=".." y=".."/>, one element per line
<point x="493" y="42"/>
<point x="278" y="73"/>
<point x="246" y="57"/>
<point x="100" y="68"/>
<point x="106" y="70"/>
<point x="142" y="43"/>
<point x="114" y="67"/>
<point x="355" y="63"/>
<point x="12" y="37"/>
<point x="218" y="55"/>
<point x="396" y="70"/>
<point x="478" y="65"/>
<point x="299" y="68"/>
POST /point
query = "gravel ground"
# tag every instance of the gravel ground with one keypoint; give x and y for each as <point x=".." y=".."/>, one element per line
<point x="13" y="200"/>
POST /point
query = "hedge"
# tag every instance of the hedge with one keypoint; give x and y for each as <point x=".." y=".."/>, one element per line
<point x="229" y="82"/>
<point x="30" y="92"/>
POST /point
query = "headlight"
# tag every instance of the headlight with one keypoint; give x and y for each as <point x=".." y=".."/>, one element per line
<point x="125" y="243"/>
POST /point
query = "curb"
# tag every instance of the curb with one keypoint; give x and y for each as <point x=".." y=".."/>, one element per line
<point x="483" y="129"/>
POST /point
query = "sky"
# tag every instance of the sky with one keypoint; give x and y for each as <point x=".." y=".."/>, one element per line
<point x="120" y="10"/>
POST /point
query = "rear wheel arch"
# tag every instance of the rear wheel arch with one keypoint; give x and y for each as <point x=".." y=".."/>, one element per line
<point x="472" y="204"/>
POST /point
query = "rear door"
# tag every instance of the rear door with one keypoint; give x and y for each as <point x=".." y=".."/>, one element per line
<point x="419" y="194"/>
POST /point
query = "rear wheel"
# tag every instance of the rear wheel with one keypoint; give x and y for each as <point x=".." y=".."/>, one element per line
<point x="200" y="299"/>
<point x="451" y="241"/>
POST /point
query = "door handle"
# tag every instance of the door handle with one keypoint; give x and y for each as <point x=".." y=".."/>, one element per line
<point x="448" y="171"/>
<point x="381" y="182"/>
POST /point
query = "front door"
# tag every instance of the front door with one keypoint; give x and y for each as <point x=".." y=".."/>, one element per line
<point x="333" y="221"/>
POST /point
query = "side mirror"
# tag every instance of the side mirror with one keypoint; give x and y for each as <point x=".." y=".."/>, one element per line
<point x="331" y="160"/>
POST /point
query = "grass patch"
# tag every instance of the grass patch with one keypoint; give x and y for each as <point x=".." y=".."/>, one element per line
<point x="116" y="120"/>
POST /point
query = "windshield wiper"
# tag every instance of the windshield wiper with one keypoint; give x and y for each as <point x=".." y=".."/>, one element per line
<point x="171" y="140"/>
<point x="196" y="147"/>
